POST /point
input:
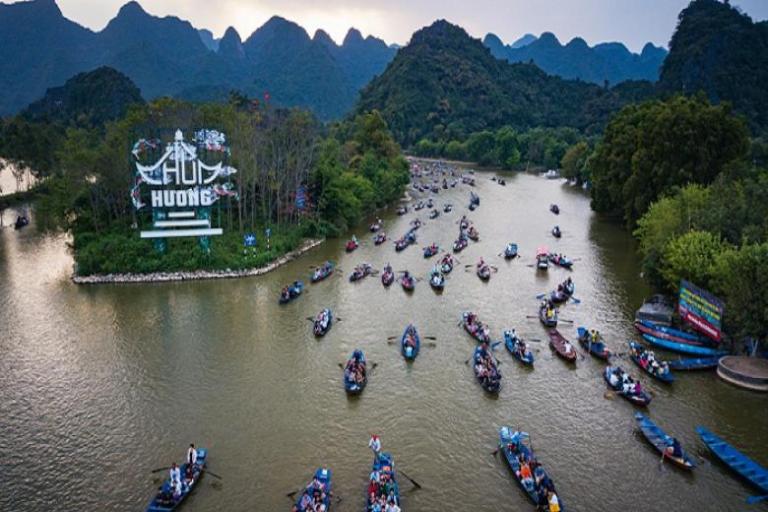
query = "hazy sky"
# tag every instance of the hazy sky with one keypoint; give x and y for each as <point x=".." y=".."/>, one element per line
<point x="633" y="22"/>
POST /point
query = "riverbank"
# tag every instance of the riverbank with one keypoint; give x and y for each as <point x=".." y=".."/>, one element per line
<point x="163" y="277"/>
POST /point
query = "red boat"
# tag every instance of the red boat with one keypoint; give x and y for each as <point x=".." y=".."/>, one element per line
<point x="352" y="244"/>
<point x="562" y="346"/>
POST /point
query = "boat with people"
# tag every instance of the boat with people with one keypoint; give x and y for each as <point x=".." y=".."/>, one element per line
<point x="548" y="314"/>
<point x="352" y="244"/>
<point x="559" y="295"/>
<point x="561" y="261"/>
<point x="528" y="472"/>
<point x="407" y="281"/>
<point x="747" y="468"/>
<point x="383" y="491"/>
<point x="647" y="361"/>
<point x="447" y="208"/>
<point x="322" y="272"/>
<point x="380" y="238"/>
<point x="684" y="348"/>
<point x="694" y="363"/>
<point x="436" y="279"/>
<point x="668" y="446"/>
<point x="415" y="224"/>
<point x="317" y="494"/>
<point x="402" y="210"/>
<point x="418" y="206"/>
<point x="434" y="214"/>
<point x="355" y="373"/>
<point x="410" y="343"/>
<point x="472" y="207"/>
<point x="542" y="258"/>
<point x="486" y="368"/>
<point x="510" y="251"/>
<point x="518" y="348"/>
<point x="556" y="232"/>
<point x="387" y="275"/>
<point x="431" y="250"/>
<point x="322" y="323"/>
<point x="554" y="209"/>
<point x="21" y="222"/>
<point x="474" y="198"/>
<point x="463" y="223"/>
<point x="562" y="346"/>
<point x="473" y="234"/>
<point x="376" y="226"/>
<point x="475" y="327"/>
<point x="360" y="272"/>
<point x="483" y="270"/>
<point x="182" y="480"/>
<point x="430" y="202"/>
<point x="460" y="244"/>
<point x="623" y="384"/>
<point x="593" y="342"/>
<point x="290" y="292"/>
<point x="446" y="263"/>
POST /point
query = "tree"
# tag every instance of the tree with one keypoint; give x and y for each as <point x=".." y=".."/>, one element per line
<point x="574" y="162"/>
<point x="480" y="147"/>
<point x="691" y="257"/>
<point x="742" y="277"/>
<point x="650" y="148"/>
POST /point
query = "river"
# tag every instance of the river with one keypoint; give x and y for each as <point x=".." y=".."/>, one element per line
<point x="101" y="384"/>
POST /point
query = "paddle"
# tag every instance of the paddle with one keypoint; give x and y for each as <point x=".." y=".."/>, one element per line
<point x="414" y="482"/>
<point x="661" y="462"/>
<point x="534" y="340"/>
<point x="292" y="493"/>
<point x="541" y="296"/>
<point x="214" y="475"/>
<point x="430" y="338"/>
<point x="575" y="300"/>
<point x="752" y="499"/>
<point x="160" y="469"/>
<point x="565" y="321"/>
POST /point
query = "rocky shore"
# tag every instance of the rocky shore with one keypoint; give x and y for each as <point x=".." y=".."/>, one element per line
<point x="162" y="277"/>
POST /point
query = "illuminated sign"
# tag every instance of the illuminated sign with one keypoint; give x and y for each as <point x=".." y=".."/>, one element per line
<point x="701" y="309"/>
<point x="179" y="186"/>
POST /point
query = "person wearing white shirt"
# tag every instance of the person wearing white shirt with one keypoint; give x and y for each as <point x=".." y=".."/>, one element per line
<point x="375" y="444"/>
<point x="175" y="473"/>
<point x="192" y="454"/>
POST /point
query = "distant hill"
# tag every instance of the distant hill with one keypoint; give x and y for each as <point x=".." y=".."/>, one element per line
<point x="39" y="49"/>
<point x="445" y="81"/>
<point x="607" y="61"/>
<point x="87" y="99"/>
<point x="722" y="52"/>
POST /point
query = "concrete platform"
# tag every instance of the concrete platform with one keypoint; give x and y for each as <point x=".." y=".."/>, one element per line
<point x="746" y="372"/>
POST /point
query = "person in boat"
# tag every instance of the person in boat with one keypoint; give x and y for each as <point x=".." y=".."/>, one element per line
<point x="375" y="445"/>
<point x="176" y="487"/>
<point x="553" y="501"/>
<point x="175" y="473"/>
<point x="192" y="455"/>
<point x="165" y="497"/>
<point x="526" y="476"/>
<point x="568" y="347"/>
<point x="285" y="294"/>
<point x="637" y="389"/>
<point x="673" y="448"/>
<point x="392" y="506"/>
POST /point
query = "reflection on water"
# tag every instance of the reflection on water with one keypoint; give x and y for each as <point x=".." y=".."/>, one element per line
<point x="100" y="385"/>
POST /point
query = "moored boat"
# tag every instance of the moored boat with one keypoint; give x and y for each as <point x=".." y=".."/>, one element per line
<point x="518" y="348"/>
<point x="317" y="494"/>
<point x="475" y="327"/>
<point x="562" y="346"/>
<point x="667" y="445"/>
<point x="747" y="468"/>
<point x="593" y="342"/>
<point x="167" y="498"/>
<point x="669" y="333"/>
<point x="323" y="271"/>
<point x="534" y="481"/>
<point x="694" y="363"/>
<point x="355" y="373"/>
<point x="647" y="361"/>
<point x="683" y="348"/>
<point x="322" y="323"/>
<point x="410" y="343"/>
<point x="486" y="369"/>
<point x="623" y="384"/>
<point x="290" y="292"/>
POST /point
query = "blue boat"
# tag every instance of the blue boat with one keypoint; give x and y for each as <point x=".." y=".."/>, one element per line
<point x="323" y="271"/>
<point x="164" y="501"/>
<point x="410" y="343"/>
<point x="512" y="445"/>
<point x="645" y="361"/>
<point x="518" y="348"/>
<point x="695" y="363"/>
<point x="317" y="491"/>
<point x="756" y="474"/>
<point x="291" y="291"/>
<point x="670" y="333"/>
<point x="662" y="442"/>
<point x="492" y="381"/>
<point x="633" y="395"/>
<point x="384" y="467"/>
<point x="510" y="251"/>
<point x="683" y="348"/>
<point x="596" y="348"/>
<point x="352" y="385"/>
<point x="322" y="323"/>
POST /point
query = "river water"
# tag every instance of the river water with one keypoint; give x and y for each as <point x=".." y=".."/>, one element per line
<point x="99" y="385"/>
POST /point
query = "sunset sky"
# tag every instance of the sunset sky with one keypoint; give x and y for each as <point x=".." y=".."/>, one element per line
<point x="633" y="22"/>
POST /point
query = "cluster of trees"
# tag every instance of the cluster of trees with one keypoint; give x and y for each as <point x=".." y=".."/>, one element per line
<point x="506" y="147"/>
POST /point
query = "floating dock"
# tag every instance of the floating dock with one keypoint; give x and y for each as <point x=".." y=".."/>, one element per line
<point x="745" y="372"/>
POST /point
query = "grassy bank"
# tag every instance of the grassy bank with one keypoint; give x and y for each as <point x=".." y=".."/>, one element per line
<point x="125" y="252"/>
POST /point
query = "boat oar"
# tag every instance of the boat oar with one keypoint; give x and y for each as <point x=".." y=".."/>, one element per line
<point x="414" y="482"/>
<point x="575" y="300"/>
<point x="430" y="338"/>
<point x="541" y="296"/>
<point x="160" y="469"/>
<point x="756" y="499"/>
<point x="293" y="493"/>
<point x="534" y="340"/>
<point x="565" y="321"/>
<point x="214" y="475"/>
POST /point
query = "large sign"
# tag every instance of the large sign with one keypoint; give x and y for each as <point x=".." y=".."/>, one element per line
<point x="179" y="187"/>
<point x="701" y="309"/>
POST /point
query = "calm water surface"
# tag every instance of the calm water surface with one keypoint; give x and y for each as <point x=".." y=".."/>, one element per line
<point x="99" y="385"/>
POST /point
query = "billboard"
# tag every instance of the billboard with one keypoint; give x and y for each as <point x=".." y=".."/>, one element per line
<point x="702" y="310"/>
